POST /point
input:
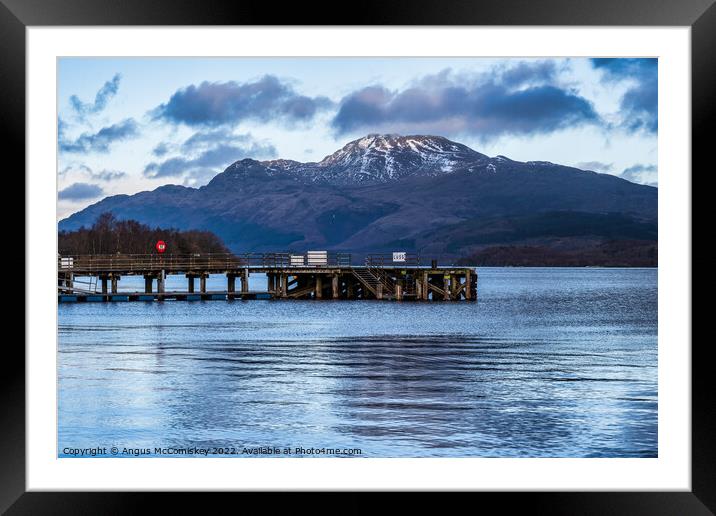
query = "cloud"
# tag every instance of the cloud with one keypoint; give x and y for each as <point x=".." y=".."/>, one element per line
<point x="102" y="175"/>
<point x="639" y="105"/>
<point x="208" y="153"/>
<point x="212" y="104"/>
<point x="519" y="100"/>
<point x="80" y="192"/>
<point x="595" y="166"/>
<point x="108" y="175"/>
<point x="161" y="149"/>
<point x="103" y="96"/>
<point x="101" y="140"/>
<point x="642" y="174"/>
<point x="80" y="167"/>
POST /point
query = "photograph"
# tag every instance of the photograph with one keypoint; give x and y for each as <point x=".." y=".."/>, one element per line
<point x="357" y="257"/>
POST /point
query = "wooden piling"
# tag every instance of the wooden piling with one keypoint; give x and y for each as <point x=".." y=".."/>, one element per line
<point x="245" y="281"/>
<point x="319" y="286"/>
<point x="468" y="284"/>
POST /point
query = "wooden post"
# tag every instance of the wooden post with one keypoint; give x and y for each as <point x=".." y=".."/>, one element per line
<point x="398" y="292"/>
<point x="336" y="292"/>
<point x="245" y="281"/>
<point x="468" y="285"/>
<point x="379" y="291"/>
<point x="349" y="288"/>
<point x="160" y="282"/>
<point x="115" y="279"/>
<point x="148" y="284"/>
<point x="190" y="283"/>
<point x="319" y="286"/>
<point x="104" y="284"/>
<point x="418" y="289"/>
<point x="446" y="286"/>
<point x="230" y="283"/>
<point x="425" y="289"/>
<point x="202" y="283"/>
<point x="284" y="285"/>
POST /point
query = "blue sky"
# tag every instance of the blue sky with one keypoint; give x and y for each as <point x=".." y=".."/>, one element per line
<point x="131" y="124"/>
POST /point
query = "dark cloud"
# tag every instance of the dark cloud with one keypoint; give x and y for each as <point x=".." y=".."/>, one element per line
<point x="161" y="149"/>
<point x="642" y="174"/>
<point x="595" y="166"/>
<point x="528" y="73"/>
<point x="80" y="191"/>
<point x="212" y="104"/>
<point x="103" y="96"/>
<point x="209" y="153"/>
<point x="516" y="100"/>
<point x="639" y="105"/>
<point x="102" y="139"/>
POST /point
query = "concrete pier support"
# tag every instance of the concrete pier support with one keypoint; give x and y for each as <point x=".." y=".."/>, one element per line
<point x="319" y="286"/>
<point x="114" y="280"/>
<point x="148" y="284"/>
<point x="334" y="285"/>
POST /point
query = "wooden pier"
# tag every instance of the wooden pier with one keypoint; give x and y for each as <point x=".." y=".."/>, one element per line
<point x="312" y="275"/>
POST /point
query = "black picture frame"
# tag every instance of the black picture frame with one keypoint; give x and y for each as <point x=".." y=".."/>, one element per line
<point x="700" y="15"/>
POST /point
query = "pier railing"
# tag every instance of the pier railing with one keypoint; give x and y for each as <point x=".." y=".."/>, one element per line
<point x="392" y="260"/>
<point x="138" y="263"/>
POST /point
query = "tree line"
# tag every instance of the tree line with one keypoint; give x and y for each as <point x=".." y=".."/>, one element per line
<point x="109" y="235"/>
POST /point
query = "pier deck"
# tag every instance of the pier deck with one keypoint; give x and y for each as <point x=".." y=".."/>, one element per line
<point x="313" y="275"/>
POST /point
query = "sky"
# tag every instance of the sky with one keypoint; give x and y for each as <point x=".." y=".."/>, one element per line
<point x="127" y="125"/>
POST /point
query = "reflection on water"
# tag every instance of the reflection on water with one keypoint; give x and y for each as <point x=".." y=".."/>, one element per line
<point x="548" y="363"/>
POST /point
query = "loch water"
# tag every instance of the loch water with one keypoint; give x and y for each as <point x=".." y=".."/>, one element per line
<point x="549" y="362"/>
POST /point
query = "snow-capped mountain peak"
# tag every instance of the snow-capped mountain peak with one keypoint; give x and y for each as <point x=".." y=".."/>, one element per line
<point x="377" y="158"/>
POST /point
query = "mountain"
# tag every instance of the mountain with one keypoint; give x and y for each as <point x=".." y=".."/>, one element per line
<point x="389" y="192"/>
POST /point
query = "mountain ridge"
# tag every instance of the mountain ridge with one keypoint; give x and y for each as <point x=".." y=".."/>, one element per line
<point x="382" y="189"/>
